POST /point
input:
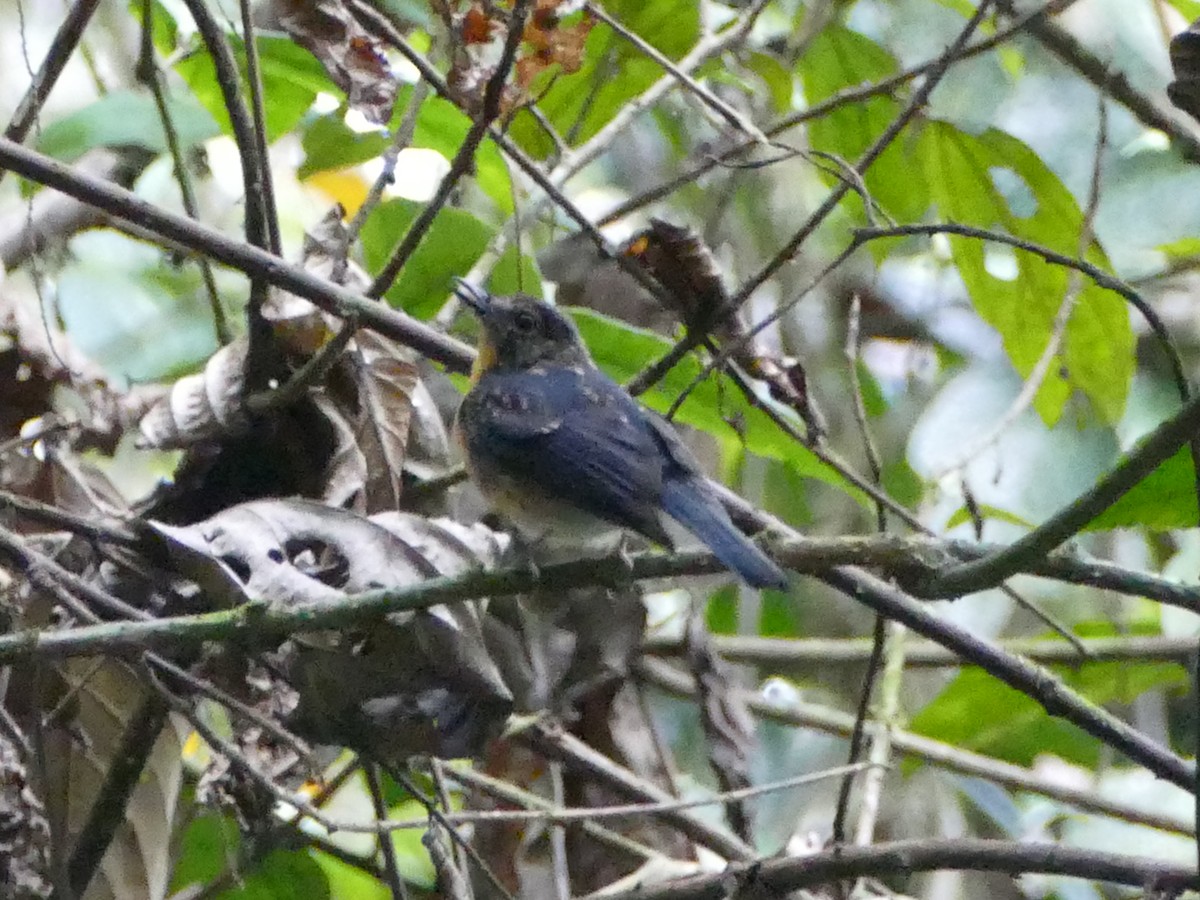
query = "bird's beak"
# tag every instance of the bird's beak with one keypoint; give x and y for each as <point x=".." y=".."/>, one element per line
<point x="477" y="298"/>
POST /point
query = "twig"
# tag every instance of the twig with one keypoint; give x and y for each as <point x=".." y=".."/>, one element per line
<point x="829" y="104"/>
<point x="1114" y="84"/>
<point x="439" y="822"/>
<point x="558" y="837"/>
<point x="881" y="647"/>
<point x="391" y="865"/>
<point x="578" y="755"/>
<point x="1162" y="444"/>
<point x="259" y="121"/>
<point x="402" y="139"/>
<point x="947" y="756"/>
<point x="918" y="100"/>
<point x="123" y="775"/>
<point x="509" y="793"/>
<point x="256" y="181"/>
<point x="315" y="368"/>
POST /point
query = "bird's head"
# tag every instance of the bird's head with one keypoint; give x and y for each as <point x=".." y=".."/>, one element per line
<point x="520" y="332"/>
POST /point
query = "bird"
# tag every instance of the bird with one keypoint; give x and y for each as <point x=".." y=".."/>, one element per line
<point x="565" y="454"/>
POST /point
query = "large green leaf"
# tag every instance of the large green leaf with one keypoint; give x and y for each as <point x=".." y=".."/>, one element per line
<point x="980" y="713"/>
<point x="126" y="119"/>
<point x="451" y="246"/>
<point x="623" y="351"/>
<point x="1164" y="500"/>
<point x="995" y="181"/>
<point x="208" y="843"/>
<point x="838" y="59"/>
<point x="291" y="77"/>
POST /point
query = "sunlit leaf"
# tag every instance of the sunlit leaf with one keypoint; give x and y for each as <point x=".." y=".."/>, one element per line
<point x="837" y="59"/>
<point x="451" y="246"/>
<point x="291" y="78"/>
<point x="994" y="181"/>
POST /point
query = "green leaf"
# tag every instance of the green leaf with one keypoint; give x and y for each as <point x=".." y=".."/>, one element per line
<point x="166" y="30"/>
<point x="515" y="272"/>
<point x="962" y="515"/>
<point x="721" y="613"/>
<point x="348" y="883"/>
<point x="412" y="859"/>
<point x="453" y="243"/>
<point x="613" y="71"/>
<point x="1164" y="500"/>
<point x="994" y="181"/>
<point x="776" y="78"/>
<point x="1189" y="9"/>
<point x="291" y="76"/>
<point x="623" y="351"/>
<point x="208" y="844"/>
<point x="980" y="713"/>
<point x="126" y="119"/>
<point x="293" y="875"/>
<point x="331" y="144"/>
<point x="839" y="58"/>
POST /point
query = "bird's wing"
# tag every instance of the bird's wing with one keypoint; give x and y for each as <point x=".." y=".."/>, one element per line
<point x="577" y="436"/>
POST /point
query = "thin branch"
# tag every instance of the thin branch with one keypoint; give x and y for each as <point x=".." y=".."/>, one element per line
<point x="773" y="877"/>
<point x="1162" y="444"/>
<point x="256" y="181"/>
<point x="857" y="94"/>
<point x="509" y="793"/>
<point x="799" y="714"/>
<point x="134" y="216"/>
<point x="259" y="121"/>
<point x="1099" y="276"/>
<point x="150" y="75"/>
<point x="915" y="104"/>
<point x="732" y="117"/>
<point x="784" y="654"/>
<point x="65" y="41"/>
<point x="391" y="865"/>
<point x="1145" y="109"/>
<point x="579" y="756"/>
<point x="1032" y="680"/>
<point x="123" y="776"/>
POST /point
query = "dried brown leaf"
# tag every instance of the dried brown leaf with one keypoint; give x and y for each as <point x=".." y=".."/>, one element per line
<point x="201" y="407"/>
<point x="350" y="54"/>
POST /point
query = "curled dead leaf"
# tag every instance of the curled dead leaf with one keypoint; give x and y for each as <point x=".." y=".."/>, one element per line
<point x="349" y="53"/>
<point x="201" y="407"/>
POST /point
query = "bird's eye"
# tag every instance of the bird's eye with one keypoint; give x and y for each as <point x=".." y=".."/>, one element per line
<point x="525" y="322"/>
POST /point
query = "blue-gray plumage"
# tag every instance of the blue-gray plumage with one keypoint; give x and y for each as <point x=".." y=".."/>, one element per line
<point x="554" y="444"/>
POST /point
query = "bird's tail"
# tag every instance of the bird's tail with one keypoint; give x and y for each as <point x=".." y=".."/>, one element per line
<point x="691" y="506"/>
